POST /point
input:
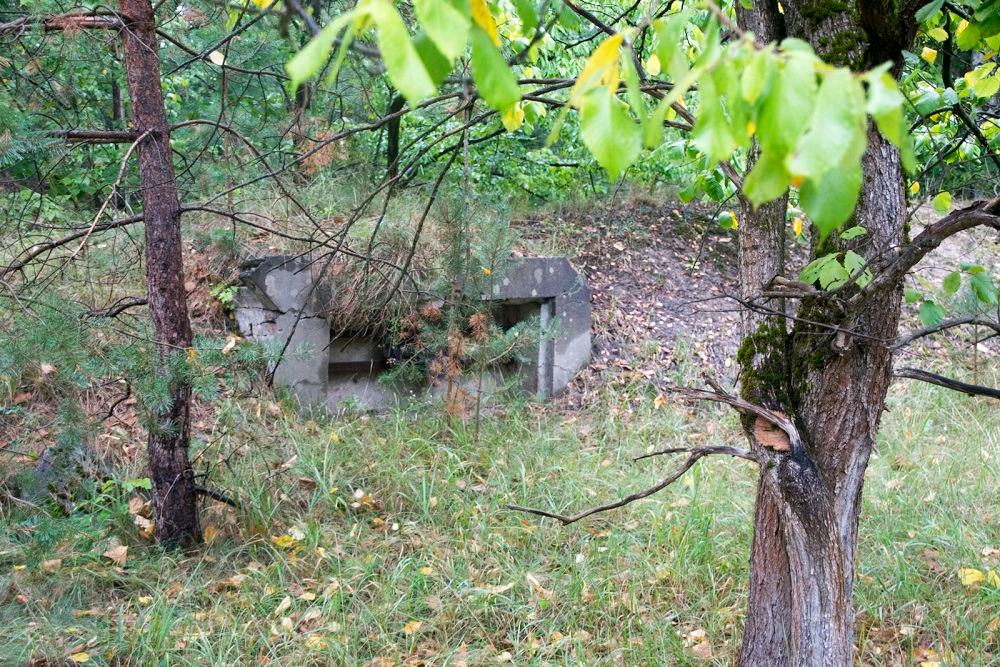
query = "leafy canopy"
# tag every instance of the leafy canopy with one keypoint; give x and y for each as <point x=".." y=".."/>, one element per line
<point x="809" y="118"/>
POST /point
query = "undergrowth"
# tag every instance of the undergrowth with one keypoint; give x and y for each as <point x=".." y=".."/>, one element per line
<point x="384" y="540"/>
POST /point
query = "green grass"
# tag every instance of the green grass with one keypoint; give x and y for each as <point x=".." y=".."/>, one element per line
<point x="430" y="542"/>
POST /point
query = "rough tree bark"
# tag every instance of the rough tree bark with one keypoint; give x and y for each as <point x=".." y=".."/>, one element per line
<point x="833" y="386"/>
<point x="174" y="490"/>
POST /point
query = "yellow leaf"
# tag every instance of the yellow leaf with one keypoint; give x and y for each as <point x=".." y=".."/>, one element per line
<point x="938" y="34"/>
<point x="653" y="65"/>
<point x="412" y="627"/>
<point x="262" y="4"/>
<point x="144" y="600"/>
<point x="751" y="128"/>
<point x="993" y="578"/>
<point x="970" y="576"/>
<point x="487" y="271"/>
<point x="601" y="66"/>
<point x="211" y="532"/>
<point x="512" y="118"/>
<point x="797" y="180"/>
<point x="285" y="541"/>
<point x="797" y="225"/>
<point x="80" y="657"/>
<point x="929" y="54"/>
<point x="315" y="642"/>
<point x="914" y="188"/>
<point x="427" y="571"/>
<point x="659" y="401"/>
<point x="484" y="19"/>
<point x="117" y="555"/>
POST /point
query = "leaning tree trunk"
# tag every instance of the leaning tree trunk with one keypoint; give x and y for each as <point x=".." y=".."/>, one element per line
<point x="832" y="385"/>
<point x="174" y="491"/>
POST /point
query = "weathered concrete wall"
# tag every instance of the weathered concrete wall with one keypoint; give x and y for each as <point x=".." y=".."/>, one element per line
<point x="281" y="306"/>
<point x="553" y="280"/>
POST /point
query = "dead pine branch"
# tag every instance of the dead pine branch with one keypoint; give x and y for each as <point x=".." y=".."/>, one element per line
<point x="694" y="453"/>
<point x="947" y="382"/>
<point x="565" y="519"/>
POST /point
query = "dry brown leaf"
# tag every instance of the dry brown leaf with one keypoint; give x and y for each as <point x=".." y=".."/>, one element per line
<point x="135" y="504"/>
<point x="51" y="565"/>
<point x="117" y="555"/>
<point x="283" y="605"/>
<point x="702" y="651"/>
<point x="537" y="588"/>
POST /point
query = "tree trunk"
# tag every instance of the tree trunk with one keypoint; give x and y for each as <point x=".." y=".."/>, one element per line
<point x="174" y="491"/>
<point x="832" y="385"/>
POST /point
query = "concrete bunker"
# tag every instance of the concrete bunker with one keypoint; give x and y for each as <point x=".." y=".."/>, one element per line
<point x="282" y="303"/>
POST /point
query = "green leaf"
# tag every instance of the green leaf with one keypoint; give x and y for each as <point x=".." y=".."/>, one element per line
<point x="853" y="263"/>
<point x="788" y="105"/>
<point x="757" y="75"/>
<point x="308" y="61"/>
<point x="402" y="62"/>
<point x="929" y="10"/>
<point x="715" y="190"/>
<point x="445" y="25"/>
<point x="812" y="271"/>
<point x="912" y="295"/>
<point x="767" y="180"/>
<point x="952" y="282"/>
<point x="984" y="289"/>
<point x="931" y="313"/>
<point x="670" y="43"/>
<point x="853" y="233"/>
<point x="495" y="81"/>
<point x="885" y="104"/>
<point x="830" y="200"/>
<point x="631" y="77"/>
<point x="435" y="62"/>
<point x="608" y="132"/>
<point x="712" y="132"/>
<point x="941" y="202"/>
<point x="968" y="39"/>
<point x="711" y="45"/>
<point x="837" y="130"/>
<point x="528" y="13"/>
<point x="927" y="101"/>
<point x="833" y="274"/>
<point x="938" y="34"/>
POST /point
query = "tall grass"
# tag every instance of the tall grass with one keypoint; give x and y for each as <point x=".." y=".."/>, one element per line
<point x="384" y="540"/>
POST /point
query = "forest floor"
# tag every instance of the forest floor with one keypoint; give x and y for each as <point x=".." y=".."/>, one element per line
<point x="383" y="540"/>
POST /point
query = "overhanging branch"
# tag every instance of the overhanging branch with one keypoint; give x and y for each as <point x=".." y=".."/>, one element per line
<point x="695" y="454"/>
<point x="978" y="214"/>
<point x="947" y="382"/>
<point x="944" y="326"/>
